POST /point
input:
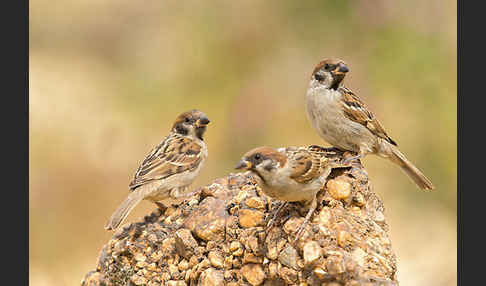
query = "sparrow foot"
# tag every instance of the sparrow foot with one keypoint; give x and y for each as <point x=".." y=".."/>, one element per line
<point x="274" y="218"/>
<point x="300" y="229"/>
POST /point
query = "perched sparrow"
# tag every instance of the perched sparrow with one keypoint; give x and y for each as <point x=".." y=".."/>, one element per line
<point x="343" y="120"/>
<point x="290" y="174"/>
<point x="169" y="168"/>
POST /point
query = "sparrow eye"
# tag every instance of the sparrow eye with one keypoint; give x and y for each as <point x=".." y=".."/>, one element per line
<point x="186" y="120"/>
<point x="327" y="66"/>
<point x="258" y="157"/>
<point x="318" y="77"/>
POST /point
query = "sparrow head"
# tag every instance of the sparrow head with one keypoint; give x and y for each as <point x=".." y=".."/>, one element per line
<point x="262" y="161"/>
<point x="329" y="73"/>
<point x="191" y="123"/>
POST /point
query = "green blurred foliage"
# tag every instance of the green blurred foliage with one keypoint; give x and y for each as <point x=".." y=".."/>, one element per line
<point x="108" y="77"/>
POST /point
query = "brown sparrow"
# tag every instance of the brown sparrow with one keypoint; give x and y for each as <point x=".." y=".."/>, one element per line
<point x="290" y="174"/>
<point x="169" y="168"/>
<point x="343" y="120"/>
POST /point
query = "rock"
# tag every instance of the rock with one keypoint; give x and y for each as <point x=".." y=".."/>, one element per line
<point x="185" y="243"/>
<point x="255" y="202"/>
<point x="335" y="265"/>
<point x="320" y="273"/>
<point x="236" y="248"/>
<point x="253" y="273"/>
<point x="251" y="258"/>
<point x="212" y="277"/>
<point x="140" y="257"/>
<point x="218" y="236"/>
<point x="208" y="221"/>
<point x="253" y="244"/>
<point x="359" y="256"/>
<point x="288" y="275"/>
<point x="251" y="218"/>
<point x="216" y="259"/>
<point x="289" y="257"/>
<point x="344" y="238"/>
<point x="183" y="265"/>
<point x="312" y="252"/>
<point x="359" y="199"/>
<point x="138" y="280"/>
<point x="290" y="227"/>
<point x="338" y="189"/>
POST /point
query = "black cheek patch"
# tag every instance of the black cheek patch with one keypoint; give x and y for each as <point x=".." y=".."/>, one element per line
<point x="181" y="129"/>
<point x="318" y="77"/>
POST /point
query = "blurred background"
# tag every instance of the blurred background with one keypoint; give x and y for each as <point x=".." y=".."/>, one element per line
<point x="108" y="77"/>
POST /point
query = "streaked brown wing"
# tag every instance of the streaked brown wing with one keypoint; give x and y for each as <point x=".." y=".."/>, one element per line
<point x="306" y="165"/>
<point x="356" y="110"/>
<point x="176" y="154"/>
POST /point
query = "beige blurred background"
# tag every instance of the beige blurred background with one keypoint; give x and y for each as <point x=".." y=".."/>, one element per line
<point x="107" y="78"/>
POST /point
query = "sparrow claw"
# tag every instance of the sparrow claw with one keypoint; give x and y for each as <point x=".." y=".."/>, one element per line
<point x="300" y="229"/>
<point x="299" y="232"/>
<point x="271" y="222"/>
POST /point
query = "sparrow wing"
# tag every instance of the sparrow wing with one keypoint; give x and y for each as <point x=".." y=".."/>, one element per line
<point x="175" y="155"/>
<point x="356" y="110"/>
<point x="306" y="165"/>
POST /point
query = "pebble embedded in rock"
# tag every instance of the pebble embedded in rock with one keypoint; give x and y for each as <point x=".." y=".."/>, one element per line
<point x="289" y="257"/>
<point x="335" y="265"/>
<point x="289" y="275"/>
<point x="216" y="259"/>
<point x="208" y="220"/>
<point x="138" y="280"/>
<point x="338" y="189"/>
<point x="312" y="252"/>
<point x="290" y="227"/>
<point x="343" y="238"/>
<point x="255" y="202"/>
<point x="236" y="248"/>
<point x="185" y="242"/>
<point x="140" y="257"/>
<point x="253" y="273"/>
<point x="212" y="277"/>
<point x="251" y="218"/>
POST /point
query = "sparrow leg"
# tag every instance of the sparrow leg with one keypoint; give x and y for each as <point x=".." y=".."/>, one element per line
<point x="353" y="158"/>
<point x="301" y="228"/>
<point x="275" y="216"/>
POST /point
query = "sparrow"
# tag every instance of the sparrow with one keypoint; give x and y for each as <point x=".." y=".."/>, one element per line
<point x="343" y="120"/>
<point x="292" y="174"/>
<point x="168" y="170"/>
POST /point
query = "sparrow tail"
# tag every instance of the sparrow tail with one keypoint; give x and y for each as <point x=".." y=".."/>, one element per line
<point x="413" y="172"/>
<point x="123" y="210"/>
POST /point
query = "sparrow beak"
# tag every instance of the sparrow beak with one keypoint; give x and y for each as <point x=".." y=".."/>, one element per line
<point x="203" y="121"/>
<point x="341" y="69"/>
<point x="243" y="164"/>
